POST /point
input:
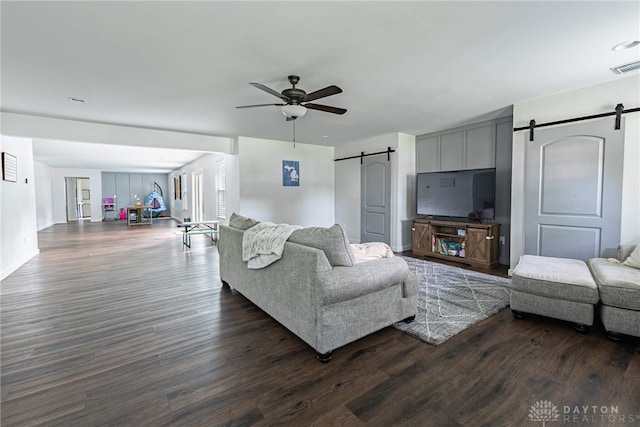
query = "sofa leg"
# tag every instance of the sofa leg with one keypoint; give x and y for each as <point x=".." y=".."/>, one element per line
<point x="518" y="314"/>
<point x="615" y="336"/>
<point x="582" y="328"/>
<point x="324" y="357"/>
<point x="409" y="319"/>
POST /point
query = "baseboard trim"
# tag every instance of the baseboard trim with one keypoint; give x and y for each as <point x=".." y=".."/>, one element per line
<point x="16" y="265"/>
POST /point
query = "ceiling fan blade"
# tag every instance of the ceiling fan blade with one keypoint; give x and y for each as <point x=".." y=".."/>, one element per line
<point x="322" y="93"/>
<point x="326" y="108"/>
<point x="271" y="91"/>
<point x="260" y="105"/>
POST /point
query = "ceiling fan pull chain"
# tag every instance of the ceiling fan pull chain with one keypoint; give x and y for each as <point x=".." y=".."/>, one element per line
<point x="294" y="134"/>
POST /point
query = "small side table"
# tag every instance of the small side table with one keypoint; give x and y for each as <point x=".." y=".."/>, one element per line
<point x="139" y="212"/>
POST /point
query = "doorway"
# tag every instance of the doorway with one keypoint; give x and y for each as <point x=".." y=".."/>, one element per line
<point x="78" y="198"/>
<point x="375" y="205"/>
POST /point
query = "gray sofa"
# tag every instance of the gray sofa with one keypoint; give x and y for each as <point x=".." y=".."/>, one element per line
<point x="619" y="287"/>
<point x="325" y="305"/>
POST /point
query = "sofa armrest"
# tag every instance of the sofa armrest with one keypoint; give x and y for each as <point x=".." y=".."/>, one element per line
<point x="411" y="286"/>
<point x="345" y="283"/>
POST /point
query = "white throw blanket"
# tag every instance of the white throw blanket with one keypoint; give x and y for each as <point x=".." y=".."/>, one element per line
<point x="263" y="243"/>
<point x="372" y="250"/>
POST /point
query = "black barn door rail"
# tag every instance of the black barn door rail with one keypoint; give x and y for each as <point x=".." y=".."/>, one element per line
<point x="619" y="111"/>
<point x="361" y="156"/>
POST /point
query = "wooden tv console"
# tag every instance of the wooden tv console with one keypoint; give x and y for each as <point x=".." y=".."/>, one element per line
<point x="472" y="243"/>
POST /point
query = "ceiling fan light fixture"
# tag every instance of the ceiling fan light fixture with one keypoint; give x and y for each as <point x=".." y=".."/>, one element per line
<point x="294" y="110"/>
<point x="626" y="45"/>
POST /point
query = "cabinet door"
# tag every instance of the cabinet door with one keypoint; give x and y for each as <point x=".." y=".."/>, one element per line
<point x="480" y="148"/>
<point x="477" y="248"/>
<point x="428" y="155"/>
<point x="451" y="151"/>
<point x="420" y="239"/>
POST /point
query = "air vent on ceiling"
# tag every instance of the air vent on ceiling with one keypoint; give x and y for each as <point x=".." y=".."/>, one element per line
<point x="626" y="68"/>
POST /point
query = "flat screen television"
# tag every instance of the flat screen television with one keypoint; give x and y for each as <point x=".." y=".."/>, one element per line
<point x="465" y="195"/>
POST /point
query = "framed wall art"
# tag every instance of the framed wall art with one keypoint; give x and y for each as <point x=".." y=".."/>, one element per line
<point x="290" y="173"/>
<point x="9" y="167"/>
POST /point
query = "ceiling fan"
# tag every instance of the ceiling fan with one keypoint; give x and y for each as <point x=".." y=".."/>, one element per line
<point x="296" y="101"/>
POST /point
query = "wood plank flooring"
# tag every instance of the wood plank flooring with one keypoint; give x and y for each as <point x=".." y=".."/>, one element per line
<point x="117" y="326"/>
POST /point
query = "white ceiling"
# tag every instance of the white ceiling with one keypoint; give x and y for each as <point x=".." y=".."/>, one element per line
<point x="412" y="67"/>
<point x="113" y="158"/>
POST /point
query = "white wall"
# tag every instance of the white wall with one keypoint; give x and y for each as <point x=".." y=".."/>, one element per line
<point x="403" y="167"/>
<point x="205" y="164"/>
<point x="262" y="195"/>
<point x="232" y="171"/>
<point x="405" y="196"/>
<point x="43" y="181"/>
<point x="18" y="224"/>
<point x="581" y="102"/>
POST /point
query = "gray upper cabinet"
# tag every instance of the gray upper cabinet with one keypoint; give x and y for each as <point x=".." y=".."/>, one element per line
<point x="480" y="148"/>
<point x="428" y="154"/>
<point x="452" y="151"/>
<point x="472" y="147"/>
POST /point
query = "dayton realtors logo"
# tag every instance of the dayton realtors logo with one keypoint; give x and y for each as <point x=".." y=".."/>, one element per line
<point x="545" y="411"/>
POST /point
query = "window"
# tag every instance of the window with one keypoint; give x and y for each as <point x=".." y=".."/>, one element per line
<point x="221" y="190"/>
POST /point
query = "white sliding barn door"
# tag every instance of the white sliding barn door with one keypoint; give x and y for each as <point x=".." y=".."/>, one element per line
<point x="574" y="190"/>
<point x="375" y="220"/>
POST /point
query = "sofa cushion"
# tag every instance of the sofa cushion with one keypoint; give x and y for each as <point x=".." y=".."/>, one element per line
<point x="619" y="285"/>
<point x="332" y="241"/>
<point x="559" y="278"/>
<point x="241" y="222"/>
<point x="633" y="260"/>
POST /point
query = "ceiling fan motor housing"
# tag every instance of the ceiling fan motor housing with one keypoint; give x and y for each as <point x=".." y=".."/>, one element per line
<point x="295" y="95"/>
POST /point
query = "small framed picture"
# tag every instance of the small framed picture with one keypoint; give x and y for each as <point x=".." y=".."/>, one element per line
<point x="9" y="167"/>
<point x="290" y="173"/>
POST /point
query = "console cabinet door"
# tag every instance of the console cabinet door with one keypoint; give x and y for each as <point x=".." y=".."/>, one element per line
<point x="477" y="248"/>
<point x="482" y="244"/>
<point x="420" y="238"/>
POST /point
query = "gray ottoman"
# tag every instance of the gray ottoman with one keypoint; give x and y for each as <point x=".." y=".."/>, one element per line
<point x="560" y="288"/>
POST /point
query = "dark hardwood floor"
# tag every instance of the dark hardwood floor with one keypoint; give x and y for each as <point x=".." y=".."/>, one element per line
<point x="110" y="326"/>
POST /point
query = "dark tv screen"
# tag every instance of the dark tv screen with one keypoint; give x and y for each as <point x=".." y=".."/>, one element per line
<point x="462" y="195"/>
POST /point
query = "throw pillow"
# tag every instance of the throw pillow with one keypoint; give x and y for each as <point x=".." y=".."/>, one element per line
<point x="241" y="222"/>
<point x="634" y="258"/>
<point x="332" y="241"/>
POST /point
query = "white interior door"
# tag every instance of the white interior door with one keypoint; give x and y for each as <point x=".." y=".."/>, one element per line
<point x="375" y="206"/>
<point x="574" y="190"/>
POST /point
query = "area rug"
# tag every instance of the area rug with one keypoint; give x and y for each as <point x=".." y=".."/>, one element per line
<point x="451" y="299"/>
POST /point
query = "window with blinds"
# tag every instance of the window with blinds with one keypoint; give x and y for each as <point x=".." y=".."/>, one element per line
<point x="221" y="190"/>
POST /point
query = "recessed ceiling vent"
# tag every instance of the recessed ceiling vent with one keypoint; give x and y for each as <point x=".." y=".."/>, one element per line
<point x="626" y="68"/>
